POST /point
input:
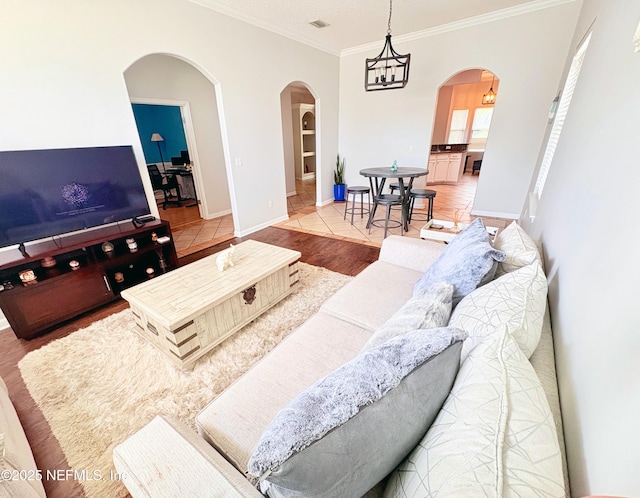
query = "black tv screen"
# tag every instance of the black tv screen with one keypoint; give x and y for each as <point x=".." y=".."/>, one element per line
<point x="44" y="193"/>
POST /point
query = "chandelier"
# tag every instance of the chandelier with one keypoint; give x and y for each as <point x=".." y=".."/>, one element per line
<point x="489" y="97"/>
<point x="389" y="69"/>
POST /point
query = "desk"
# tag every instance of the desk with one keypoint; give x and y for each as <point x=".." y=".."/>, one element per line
<point x="381" y="175"/>
<point x="188" y="187"/>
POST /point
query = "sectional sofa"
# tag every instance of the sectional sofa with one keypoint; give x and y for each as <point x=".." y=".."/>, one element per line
<point x="432" y="371"/>
<point x="19" y="476"/>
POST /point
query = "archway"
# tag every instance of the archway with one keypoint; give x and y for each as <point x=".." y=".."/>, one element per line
<point x="461" y="128"/>
<point x="300" y="128"/>
<point x="161" y="79"/>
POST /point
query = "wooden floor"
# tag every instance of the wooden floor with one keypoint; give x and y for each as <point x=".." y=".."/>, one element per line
<point x="345" y="257"/>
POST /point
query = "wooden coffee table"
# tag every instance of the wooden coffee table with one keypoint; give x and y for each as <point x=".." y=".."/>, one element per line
<point x="187" y="312"/>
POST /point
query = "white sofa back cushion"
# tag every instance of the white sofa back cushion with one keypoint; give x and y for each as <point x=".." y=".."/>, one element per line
<point x="517" y="299"/>
<point x="519" y="249"/>
<point x="494" y="436"/>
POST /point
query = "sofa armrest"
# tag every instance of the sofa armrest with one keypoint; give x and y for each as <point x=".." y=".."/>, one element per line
<point x="168" y="459"/>
<point x="415" y="254"/>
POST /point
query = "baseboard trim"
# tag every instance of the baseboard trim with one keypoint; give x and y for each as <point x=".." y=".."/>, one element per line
<point x="325" y="203"/>
<point x="212" y="216"/>
<point x="243" y="233"/>
<point x="495" y="214"/>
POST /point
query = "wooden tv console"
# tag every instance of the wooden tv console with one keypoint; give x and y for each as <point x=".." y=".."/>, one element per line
<point x="60" y="293"/>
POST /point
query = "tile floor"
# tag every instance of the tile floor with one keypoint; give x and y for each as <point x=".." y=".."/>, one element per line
<point x="192" y="234"/>
<point x="329" y="220"/>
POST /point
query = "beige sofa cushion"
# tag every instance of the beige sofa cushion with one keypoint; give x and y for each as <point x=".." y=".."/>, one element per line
<point x="519" y="248"/>
<point x="518" y="299"/>
<point x="15" y="452"/>
<point x="235" y="420"/>
<point x="494" y="436"/>
<point x="370" y="299"/>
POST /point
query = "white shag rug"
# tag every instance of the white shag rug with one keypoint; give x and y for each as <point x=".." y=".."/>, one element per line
<point x="101" y="384"/>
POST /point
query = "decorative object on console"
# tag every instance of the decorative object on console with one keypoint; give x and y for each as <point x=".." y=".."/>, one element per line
<point x="107" y="248"/>
<point x="28" y="277"/>
<point x="467" y="261"/>
<point x="74" y="264"/>
<point x="224" y="260"/>
<point x="48" y="262"/>
<point x="389" y="69"/>
<point x="132" y="245"/>
<point x="321" y="444"/>
<point x="157" y="138"/>
<point x="489" y="98"/>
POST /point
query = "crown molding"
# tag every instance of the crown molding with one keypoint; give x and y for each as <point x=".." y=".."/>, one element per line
<point x="249" y="19"/>
<point x="462" y="24"/>
<point x="526" y="8"/>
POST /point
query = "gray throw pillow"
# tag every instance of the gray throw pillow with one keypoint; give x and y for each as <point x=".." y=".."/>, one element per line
<point x="429" y="310"/>
<point x="350" y="429"/>
<point x="467" y="260"/>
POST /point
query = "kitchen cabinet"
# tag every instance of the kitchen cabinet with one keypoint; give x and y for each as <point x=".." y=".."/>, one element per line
<point x="445" y="168"/>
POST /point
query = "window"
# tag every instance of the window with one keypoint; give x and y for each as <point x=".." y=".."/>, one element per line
<point x="458" y="126"/>
<point x="481" y="124"/>
<point x="561" y="114"/>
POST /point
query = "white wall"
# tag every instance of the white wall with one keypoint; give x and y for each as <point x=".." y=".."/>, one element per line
<point x="63" y="85"/>
<point x="586" y="221"/>
<point x="526" y="52"/>
<point x="166" y="78"/>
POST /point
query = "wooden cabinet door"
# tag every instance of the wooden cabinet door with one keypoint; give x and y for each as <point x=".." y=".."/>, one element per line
<point x="442" y="164"/>
<point x="431" y="168"/>
<point x="453" y="168"/>
<point x="39" y="306"/>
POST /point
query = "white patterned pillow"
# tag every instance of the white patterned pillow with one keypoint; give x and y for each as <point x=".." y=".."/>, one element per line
<point x="518" y="299"/>
<point x="494" y="435"/>
<point x="430" y="310"/>
<point x="519" y="249"/>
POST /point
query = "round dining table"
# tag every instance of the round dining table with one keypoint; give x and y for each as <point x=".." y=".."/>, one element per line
<point x="380" y="175"/>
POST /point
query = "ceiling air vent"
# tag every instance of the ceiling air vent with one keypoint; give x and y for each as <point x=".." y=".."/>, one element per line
<point x="318" y="23"/>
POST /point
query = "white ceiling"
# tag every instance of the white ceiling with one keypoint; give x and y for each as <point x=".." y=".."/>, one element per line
<point x="354" y="23"/>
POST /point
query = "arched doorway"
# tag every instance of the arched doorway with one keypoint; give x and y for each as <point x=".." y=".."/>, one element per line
<point x="299" y="137"/>
<point x="169" y="81"/>
<point x="463" y="114"/>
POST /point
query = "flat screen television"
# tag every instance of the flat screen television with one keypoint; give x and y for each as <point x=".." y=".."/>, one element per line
<point x="44" y="193"/>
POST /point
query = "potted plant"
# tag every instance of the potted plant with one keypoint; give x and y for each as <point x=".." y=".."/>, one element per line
<point x="338" y="180"/>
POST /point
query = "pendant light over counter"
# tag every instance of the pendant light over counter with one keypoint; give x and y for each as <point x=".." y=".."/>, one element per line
<point x="489" y="98"/>
<point x="389" y="69"/>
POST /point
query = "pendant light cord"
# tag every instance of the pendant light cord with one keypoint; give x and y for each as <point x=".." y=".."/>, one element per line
<point x="389" y="24"/>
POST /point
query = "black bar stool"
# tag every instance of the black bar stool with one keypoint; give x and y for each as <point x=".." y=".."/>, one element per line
<point x="421" y="193"/>
<point x="389" y="200"/>
<point x="355" y="191"/>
